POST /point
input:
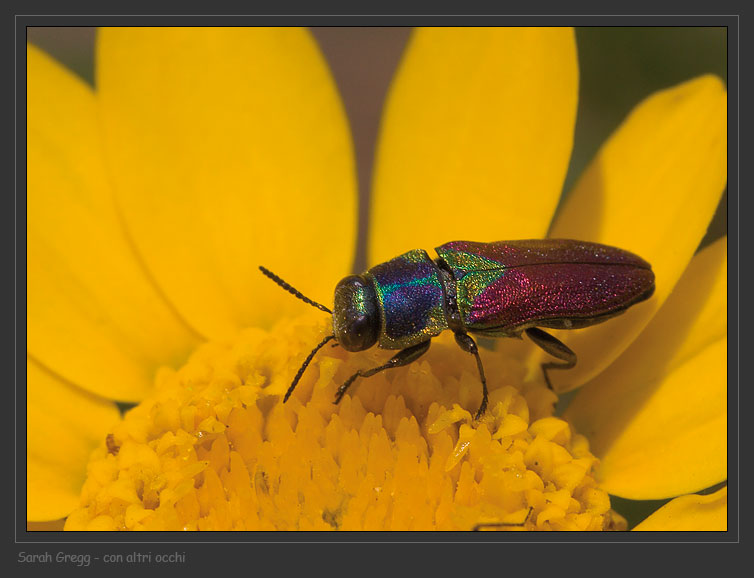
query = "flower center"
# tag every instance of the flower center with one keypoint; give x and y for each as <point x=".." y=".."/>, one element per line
<point x="215" y="449"/>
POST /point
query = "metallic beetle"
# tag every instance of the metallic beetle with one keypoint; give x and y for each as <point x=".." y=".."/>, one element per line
<point x="500" y="289"/>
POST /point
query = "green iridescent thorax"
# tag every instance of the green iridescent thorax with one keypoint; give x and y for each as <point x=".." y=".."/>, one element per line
<point x="411" y="299"/>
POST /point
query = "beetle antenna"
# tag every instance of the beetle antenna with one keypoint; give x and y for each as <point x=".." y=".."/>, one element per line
<point x="292" y="291"/>
<point x="303" y="367"/>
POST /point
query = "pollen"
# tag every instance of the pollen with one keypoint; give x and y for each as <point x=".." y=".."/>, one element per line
<point x="214" y="447"/>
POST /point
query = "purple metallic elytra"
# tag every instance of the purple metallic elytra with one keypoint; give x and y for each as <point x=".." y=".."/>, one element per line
<point x="506" y="287"/>
<point x="500" y="289"/>
<point x="535" y="293"/>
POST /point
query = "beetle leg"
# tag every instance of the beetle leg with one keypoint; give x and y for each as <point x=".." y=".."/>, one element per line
<point x="478" y="527"/>
<point x="467" y="344"/>
<point x="554" y="347"/>
<point x="403" y="357"/>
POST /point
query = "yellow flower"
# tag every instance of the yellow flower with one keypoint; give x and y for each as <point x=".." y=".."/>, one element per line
<point x="203" y="153"/>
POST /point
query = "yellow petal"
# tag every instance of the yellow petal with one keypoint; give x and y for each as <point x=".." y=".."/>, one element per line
<point x="93" y="316"/>
<point x="475" y="138"/>
<point x="677" y="443"/>
<point x="51" y="526"/>
<point x="652" y="189"/>
<point x="63" y="425"/>
<point x="657" y="417"/>
<point x="691" y="513"/>
<point x="229" y="149"/>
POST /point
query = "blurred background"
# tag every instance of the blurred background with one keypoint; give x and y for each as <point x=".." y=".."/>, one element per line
<point x="618" y="68"/>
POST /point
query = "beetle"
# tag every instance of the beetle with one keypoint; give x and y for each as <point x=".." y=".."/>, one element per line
<point x="499" y="289"/>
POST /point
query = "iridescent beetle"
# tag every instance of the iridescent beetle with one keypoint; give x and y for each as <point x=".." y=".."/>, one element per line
<point x="500" y="289"/>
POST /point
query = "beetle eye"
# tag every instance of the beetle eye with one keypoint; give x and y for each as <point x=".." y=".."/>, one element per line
<point x="356" y="321"/>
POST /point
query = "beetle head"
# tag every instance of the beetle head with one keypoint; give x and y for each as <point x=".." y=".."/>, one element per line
<point x="356" y="318"/>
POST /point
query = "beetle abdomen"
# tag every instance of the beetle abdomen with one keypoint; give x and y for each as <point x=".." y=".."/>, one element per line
<point x="506" y="286"/>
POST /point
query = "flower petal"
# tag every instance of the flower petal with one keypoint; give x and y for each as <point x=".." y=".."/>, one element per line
<point x="229" y="149"/>
<point x="64" y="424"/>
<point x="93" y="316"/>
<point x="691" y="513"/>
<point x="652" y="189"/>
<point x="51" y="526"/>
<point x="657" y="417"/>
<point x="475" y="138"/>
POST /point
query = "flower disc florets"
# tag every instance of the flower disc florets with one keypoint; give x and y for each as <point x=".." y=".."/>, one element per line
<point x="215" y="449"/>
